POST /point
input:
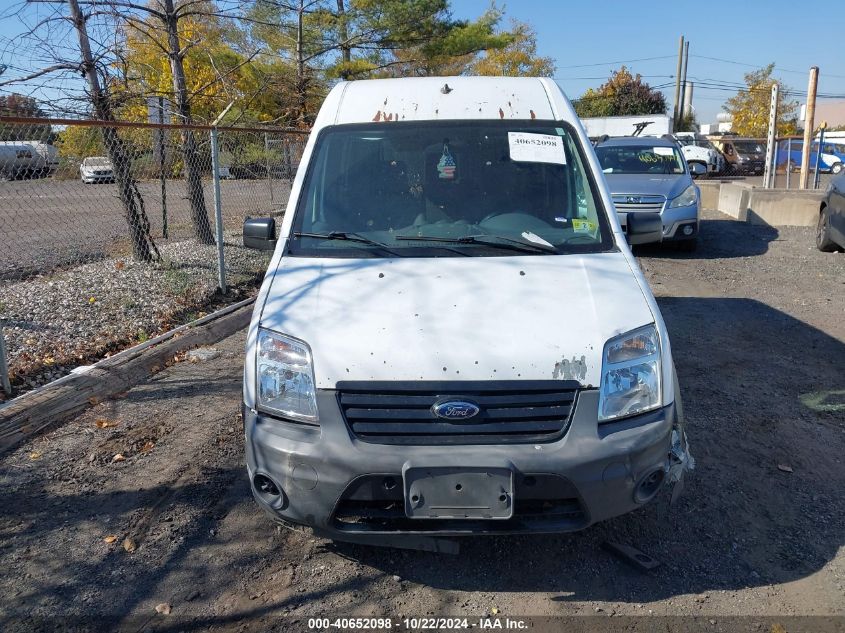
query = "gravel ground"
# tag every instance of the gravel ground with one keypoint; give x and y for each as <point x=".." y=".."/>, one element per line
<point x="56" y="322"/>
<point x="758" y="334"/>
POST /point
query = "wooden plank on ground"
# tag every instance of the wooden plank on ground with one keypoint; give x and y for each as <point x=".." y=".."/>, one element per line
<point x="34" y="412"/>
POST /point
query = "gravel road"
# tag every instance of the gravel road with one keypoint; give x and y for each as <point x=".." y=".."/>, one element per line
<point x="757" y="321"/>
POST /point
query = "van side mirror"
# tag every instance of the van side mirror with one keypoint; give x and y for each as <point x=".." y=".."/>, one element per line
<point x="644" y="228"/>
<point x="260" y="233"/>
<point x="697" y="169"/>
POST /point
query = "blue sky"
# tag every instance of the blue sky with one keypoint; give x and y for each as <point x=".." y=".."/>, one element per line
<point x="588" y="39"/>
<point x="754" y="32"/>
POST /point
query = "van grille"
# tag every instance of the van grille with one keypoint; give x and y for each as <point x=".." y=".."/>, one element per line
<point x="635" y="202"/>
<point x="509" y="411"/>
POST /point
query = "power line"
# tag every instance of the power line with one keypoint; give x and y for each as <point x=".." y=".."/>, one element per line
<point x="783" y="70"/>
<point x="622" y="61"/>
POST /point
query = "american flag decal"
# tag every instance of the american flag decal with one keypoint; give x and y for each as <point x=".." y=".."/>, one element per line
<point x="446" y="165"/>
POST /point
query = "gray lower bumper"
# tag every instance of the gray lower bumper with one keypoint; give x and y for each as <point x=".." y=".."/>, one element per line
<point x="602" y="466"/>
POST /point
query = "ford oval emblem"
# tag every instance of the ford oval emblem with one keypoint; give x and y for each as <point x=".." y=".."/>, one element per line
<point x="455" y="410"/>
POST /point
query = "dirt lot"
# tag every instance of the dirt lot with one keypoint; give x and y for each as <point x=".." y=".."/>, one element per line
<point x="757" y="320"/>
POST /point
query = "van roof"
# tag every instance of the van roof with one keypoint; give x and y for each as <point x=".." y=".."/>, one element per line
<point x="440" y="98"/>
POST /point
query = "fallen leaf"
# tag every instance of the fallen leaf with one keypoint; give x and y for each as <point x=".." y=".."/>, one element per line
<point x="35" y="455"/>
<point x="93" y="400"/>
<point x="103" y="423"/>
<point x="163" y="608"/>
<point x="494" y="611"/>
<point x="786" y="468"/>
<point x="119" y="265"/>
<point x="148" y="446"/>
<point x="111" y="538"/>
<point x="129" y="545"/>
<point x="118" y="458"/>
<point x="92" y="300"/>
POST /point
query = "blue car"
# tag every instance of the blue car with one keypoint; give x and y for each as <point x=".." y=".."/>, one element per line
<point x="832" y="156"/>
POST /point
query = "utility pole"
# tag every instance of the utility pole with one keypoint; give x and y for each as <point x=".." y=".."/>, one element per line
<point x="681" y="112"/>
<point x="809" y="123"/>
<point x="678" y="81"/>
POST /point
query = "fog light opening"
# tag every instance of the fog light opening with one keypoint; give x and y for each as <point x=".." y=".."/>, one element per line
<point x="649" y="485"/>
<point x="265" y="486"/>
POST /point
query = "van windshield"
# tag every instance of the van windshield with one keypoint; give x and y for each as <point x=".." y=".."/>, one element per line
<point x="749" y="147"/>
<point x="640" y="159"/>
<point x="448" y="189"/>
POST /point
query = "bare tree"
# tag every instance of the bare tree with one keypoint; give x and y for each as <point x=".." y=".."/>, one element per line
<point x="143" y="245"/>
<point x="166" y="15"/>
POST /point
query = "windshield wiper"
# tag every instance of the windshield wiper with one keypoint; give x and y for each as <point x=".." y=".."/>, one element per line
<point x="486" y="240"/>
<point x="348" y="237"/>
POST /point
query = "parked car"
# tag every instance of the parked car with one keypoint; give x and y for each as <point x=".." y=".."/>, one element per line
<point x="454" y="337"/>
<point x="742" y="155"/>
<point x="650" y="175"/>
<point x="830" y="233"/>
<point x="789" y="155"/>
<point x="697" y="149"/>
<point x="96" y="169"/>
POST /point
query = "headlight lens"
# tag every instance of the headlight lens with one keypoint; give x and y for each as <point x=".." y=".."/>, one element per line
<point x="630" y="374"/>
<point x="285" y="377"/>
<point x="687" y="198"/>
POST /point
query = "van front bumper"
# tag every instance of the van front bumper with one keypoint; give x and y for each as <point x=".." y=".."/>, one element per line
<point x="591" y="473"/>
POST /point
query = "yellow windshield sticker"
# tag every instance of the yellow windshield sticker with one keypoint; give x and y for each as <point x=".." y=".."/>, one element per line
<point x="583" y="226"/>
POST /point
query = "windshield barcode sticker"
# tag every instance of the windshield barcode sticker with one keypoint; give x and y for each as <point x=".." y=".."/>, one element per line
<point x="536" y="148"/>
<point x="663" y="151"/>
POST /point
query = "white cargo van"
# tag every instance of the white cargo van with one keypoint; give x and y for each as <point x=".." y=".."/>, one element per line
<point x="453" y="337"/>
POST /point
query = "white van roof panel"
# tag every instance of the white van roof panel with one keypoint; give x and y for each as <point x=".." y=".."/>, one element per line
<point x="427" y="98"/>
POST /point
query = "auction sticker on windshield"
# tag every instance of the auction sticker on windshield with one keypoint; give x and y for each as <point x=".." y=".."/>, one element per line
<point x="536" y="148"/>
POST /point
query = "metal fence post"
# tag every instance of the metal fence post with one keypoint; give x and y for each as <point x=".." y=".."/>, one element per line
<point x="218" y="212"/>
<point x="4" y="365"/>
<point x="788" y="160"/>
<point x="818" y="158"/>
<point x="771" y="153"/>
<point x="267" y="165"/>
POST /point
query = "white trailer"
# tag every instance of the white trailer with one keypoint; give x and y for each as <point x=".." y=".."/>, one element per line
<point x="27" y="159"/>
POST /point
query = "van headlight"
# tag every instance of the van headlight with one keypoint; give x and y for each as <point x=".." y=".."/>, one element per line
<point x="686" y="199"/>
<point x="285" y="377"/>
<point x="630" y="374"/>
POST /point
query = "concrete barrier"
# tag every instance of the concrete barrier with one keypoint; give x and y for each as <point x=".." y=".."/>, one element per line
<point x="709" y="194"/>
<point x="733" y="199"/>
<point x="773" y="207"/>
<point x="784" y="207"/>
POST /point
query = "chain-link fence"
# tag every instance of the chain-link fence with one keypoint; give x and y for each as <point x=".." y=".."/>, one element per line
<point x="108" y="233"/>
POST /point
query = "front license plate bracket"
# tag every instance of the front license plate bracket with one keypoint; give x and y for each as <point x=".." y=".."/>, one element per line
<point x="458" y="493"/>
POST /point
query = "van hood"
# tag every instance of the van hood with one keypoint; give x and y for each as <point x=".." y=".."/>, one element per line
<point x="461" y="318"/>
<point x="669" y="185"/>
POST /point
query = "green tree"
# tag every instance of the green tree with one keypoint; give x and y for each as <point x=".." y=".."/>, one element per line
<point x="518" y="58"/>
<point x="750" y="106"/>
<point x="623" y="94"/>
